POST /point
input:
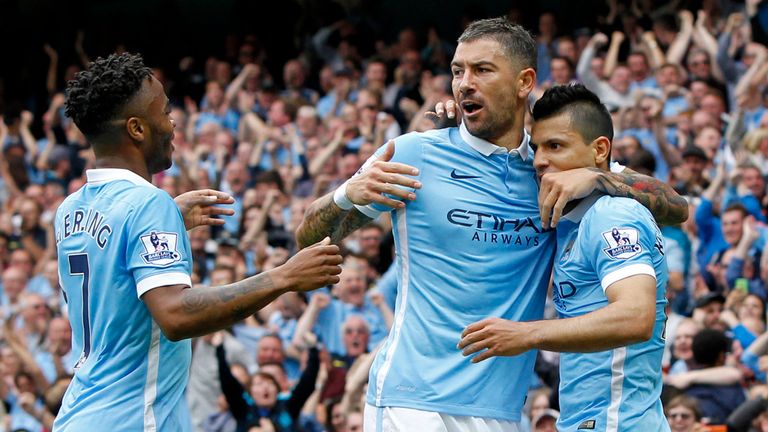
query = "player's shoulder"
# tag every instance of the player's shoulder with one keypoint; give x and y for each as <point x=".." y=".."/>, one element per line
<point x="427" y="138"/>
<point x="618" y="207"/>
<point x="140" y="201"/>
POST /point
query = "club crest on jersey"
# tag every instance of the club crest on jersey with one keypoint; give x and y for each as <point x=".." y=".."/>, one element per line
<point x="160" y="247"/>
<point x="622" y="243"/>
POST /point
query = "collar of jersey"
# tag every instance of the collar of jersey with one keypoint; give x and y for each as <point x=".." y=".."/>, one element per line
<point x="101" y="175"/>
<point x="487" y="148"/>
<point x="577" y="213"/>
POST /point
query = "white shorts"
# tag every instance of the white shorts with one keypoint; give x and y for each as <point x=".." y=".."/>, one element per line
<point x="396" y="419"/>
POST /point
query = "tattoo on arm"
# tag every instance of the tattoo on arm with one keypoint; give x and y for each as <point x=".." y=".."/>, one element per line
<point x="667" y="207"/>
<point x="324" y="218"/>
<point x="353" y="221"/>
<point x="320" y="220"/>
<point x="230" y="303"/>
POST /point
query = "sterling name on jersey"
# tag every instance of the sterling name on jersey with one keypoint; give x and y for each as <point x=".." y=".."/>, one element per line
<point x="604" y="240"/>
<point x="469" y="247"/>
<point x="117" y="238"/>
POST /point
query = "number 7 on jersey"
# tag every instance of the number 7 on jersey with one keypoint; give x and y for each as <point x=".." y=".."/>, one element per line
<point x="78" y="264"/>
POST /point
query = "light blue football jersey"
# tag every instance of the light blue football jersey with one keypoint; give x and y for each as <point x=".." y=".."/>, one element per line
<point x="604" y="240"/>
<point x="117" y="238"/>
<point x="469" y="247"/>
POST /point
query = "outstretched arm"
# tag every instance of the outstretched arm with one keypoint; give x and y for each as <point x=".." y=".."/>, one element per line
<point x="602" y="329"/>
<point x="183" y="312"/>
<point x="557" y="189"/>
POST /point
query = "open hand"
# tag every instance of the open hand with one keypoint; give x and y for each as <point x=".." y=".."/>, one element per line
<point x="200" y="207"/>
<point x="494" y="337"/>
<point x="383" y="177"/>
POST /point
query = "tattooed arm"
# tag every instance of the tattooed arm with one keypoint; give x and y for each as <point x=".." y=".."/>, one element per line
<point x="183" y="312"/>
<point x="557" y="189"/>
<point x="379" y="178"/>
<point x="325" y="219"/>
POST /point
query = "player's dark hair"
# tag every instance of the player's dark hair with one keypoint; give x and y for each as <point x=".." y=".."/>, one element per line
<point x="100" y="92"/>
<point x="518" y="43"/>
<point x="589" y="117"/>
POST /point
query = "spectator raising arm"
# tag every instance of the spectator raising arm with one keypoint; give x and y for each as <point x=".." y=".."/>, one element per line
<point x="53" y="57"/>
<point x="612" y="57"/>
<point x="679" y="46"/>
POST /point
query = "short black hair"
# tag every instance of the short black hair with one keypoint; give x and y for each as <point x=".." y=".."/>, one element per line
<point x="518" y="43"/>
<point x="708" y="345"/>
<point x="588" y="115"/>
<point x="97" y="94"/>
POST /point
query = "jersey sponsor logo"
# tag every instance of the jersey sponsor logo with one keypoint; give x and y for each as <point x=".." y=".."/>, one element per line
<point x="160" y="247"/>
<point x="491" y="222"/>
<point x="587" y="424"/>
<point x="491" y="228"/>
<point x="622" y="243"/>
<point x="456" y="176"/>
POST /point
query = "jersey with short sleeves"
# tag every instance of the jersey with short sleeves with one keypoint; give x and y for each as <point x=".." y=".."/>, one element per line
<point x="604" y="240"/>
<point x="117" y="238"/>
<point x="470" y="246"/>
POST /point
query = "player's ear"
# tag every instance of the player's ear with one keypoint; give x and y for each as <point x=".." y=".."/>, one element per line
<point x="601" y="147"/>
<point x="135" y="128"/>
<point x="526" y="81"/>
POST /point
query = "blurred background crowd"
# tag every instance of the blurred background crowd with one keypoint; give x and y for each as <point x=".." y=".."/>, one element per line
<point x="278" y="112"/>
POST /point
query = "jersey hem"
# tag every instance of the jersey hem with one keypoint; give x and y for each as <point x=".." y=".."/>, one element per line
<point x="443" y="408"/>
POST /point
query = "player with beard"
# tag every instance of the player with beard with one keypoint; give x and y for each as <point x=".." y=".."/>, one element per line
<point x="131" y="305"/>
<point x="474" y="244"/>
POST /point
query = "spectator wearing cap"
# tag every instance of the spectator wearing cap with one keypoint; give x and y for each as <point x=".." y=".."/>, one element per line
<point x="708" y="309"/>
<point x="692" y="181"/>
<point x="342" y="93"/>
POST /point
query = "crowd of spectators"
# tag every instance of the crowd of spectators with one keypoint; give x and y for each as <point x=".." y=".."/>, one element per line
<point x="684" y="81"/>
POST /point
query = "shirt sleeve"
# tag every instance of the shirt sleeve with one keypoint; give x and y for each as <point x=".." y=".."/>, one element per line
<point x="408" y="150"/>
<point x="158" y="247"/>
<point x="626" y="237"/>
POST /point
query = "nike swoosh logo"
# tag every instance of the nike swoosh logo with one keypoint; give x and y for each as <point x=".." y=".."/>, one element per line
<point x="462" y="177"/>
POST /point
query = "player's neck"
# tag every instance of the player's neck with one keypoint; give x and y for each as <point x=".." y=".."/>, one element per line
<point x="512" y="138"/>
<point x="117" y="161"/>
